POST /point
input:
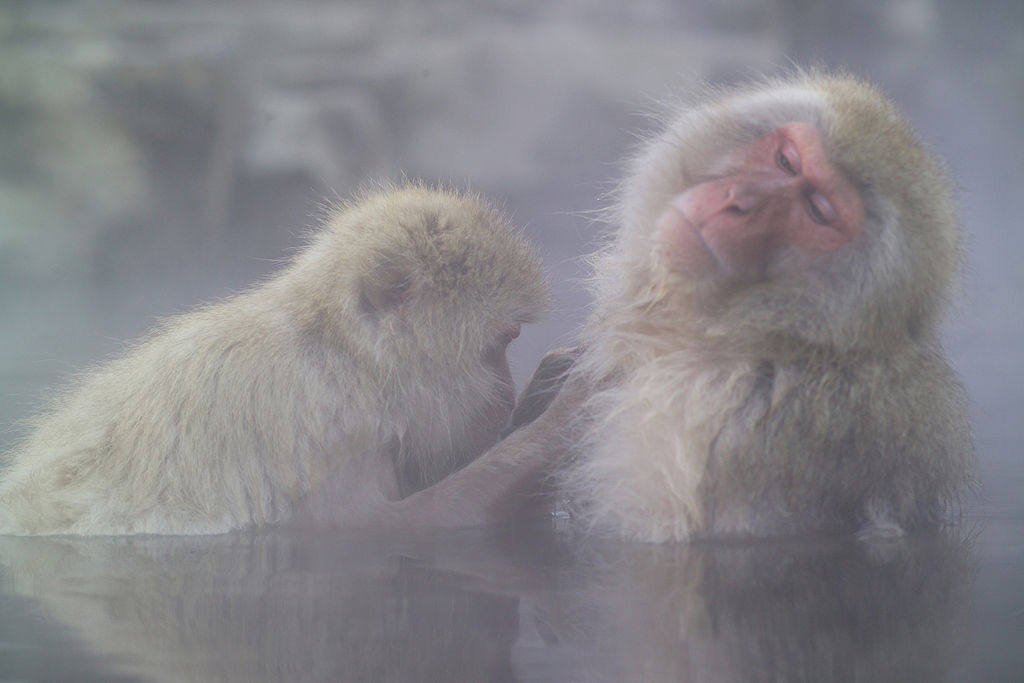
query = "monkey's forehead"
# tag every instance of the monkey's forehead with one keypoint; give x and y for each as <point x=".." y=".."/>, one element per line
<point x="768" y="109"/>
<point x="865" y="135"/>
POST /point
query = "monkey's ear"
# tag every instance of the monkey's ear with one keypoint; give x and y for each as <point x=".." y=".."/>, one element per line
<point x="385" y="288"/>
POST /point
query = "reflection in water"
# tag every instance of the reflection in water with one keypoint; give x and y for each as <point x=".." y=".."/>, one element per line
<point x="808" y="610"/>
<point x="448" y="606"/>
<point x="253" y="608"/>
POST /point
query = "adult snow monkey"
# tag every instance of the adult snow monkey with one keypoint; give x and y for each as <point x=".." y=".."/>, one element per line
<point x="764" y="355"/>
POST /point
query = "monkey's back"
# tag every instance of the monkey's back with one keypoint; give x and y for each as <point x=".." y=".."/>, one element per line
<point x="183" y="433"/>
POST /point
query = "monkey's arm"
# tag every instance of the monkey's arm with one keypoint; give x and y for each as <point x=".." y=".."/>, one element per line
<point x="507" y="482"/>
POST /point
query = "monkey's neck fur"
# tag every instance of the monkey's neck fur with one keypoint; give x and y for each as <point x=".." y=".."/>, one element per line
<point x="692" y="436"/>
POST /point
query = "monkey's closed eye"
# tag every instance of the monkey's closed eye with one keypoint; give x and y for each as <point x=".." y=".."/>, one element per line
<point x="784" y="162"/>
<point x="788" y="158"/>
<point x="820" y="210"/>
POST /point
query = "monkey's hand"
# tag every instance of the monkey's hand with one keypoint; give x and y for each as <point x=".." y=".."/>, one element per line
<point x="543" y="386"/>
<point x="510" y="481"/>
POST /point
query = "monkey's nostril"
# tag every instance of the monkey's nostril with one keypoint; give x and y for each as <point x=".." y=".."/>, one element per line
<point x="738" y="200"/>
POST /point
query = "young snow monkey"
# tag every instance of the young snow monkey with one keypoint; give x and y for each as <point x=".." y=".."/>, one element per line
<point x="764" y="353"/>
<point x="373" y="365"/>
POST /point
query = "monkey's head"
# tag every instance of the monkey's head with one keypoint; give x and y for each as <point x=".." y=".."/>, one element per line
<point x="800" y="209"/>
<point x="423" y="290"/>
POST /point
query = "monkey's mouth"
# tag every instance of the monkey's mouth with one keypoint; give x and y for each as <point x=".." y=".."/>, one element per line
<point x="683" y="244"/>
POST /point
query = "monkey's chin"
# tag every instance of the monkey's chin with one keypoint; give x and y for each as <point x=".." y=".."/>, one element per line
<point x="499" y="407"/>
<point x="683" y="245"/>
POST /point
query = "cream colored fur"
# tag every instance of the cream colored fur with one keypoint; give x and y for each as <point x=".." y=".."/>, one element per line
<point x="296" y="393"/>
<point x="813" y="401"/>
